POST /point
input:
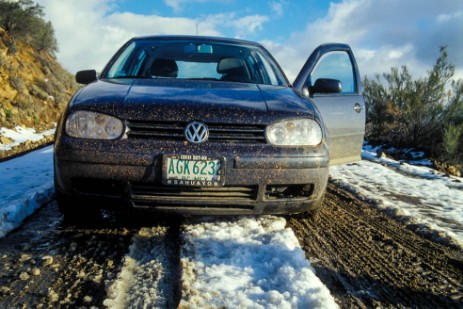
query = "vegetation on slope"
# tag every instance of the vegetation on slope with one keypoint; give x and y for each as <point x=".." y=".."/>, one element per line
<point x="34" y="88"/>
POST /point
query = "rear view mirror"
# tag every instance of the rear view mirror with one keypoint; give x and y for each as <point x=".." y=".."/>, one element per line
<point x="326" y="85"/>
<point x="204" y="49"/>
<point x="86" y="77"/>
<point x="198" y="49"/>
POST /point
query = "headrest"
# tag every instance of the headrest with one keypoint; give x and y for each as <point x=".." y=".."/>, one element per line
<point x="164" y="68"/>
<point x="227" y="64"/>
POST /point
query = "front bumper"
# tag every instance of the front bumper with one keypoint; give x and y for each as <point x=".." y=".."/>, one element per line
<point x="257" y="181"/>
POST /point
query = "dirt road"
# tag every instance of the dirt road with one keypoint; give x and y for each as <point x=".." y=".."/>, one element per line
<point x="365" y="258"/>
<point x="371" y="261"/>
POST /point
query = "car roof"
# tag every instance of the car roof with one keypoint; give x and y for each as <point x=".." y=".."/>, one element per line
<point x="193" y="38"/>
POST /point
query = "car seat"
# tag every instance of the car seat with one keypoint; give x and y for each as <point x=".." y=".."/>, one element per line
<point x="233" y="69"/>
<point x="164" y="68"/>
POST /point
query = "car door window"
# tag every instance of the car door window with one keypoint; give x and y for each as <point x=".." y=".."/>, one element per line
<point x="336" y="65"/>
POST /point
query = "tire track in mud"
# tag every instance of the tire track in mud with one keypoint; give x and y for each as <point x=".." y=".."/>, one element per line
<point x="150" y="276"/>
<point x="47" y="263"/>
<point x="367" y="259"/>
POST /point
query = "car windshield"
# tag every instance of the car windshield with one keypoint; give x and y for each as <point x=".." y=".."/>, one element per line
<point x="182" y="59"/>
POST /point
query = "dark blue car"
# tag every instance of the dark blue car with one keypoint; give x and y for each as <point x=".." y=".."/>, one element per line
<point x="202" y="125"/>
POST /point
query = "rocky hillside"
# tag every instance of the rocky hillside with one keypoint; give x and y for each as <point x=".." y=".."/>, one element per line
<point x="34" y="88"/>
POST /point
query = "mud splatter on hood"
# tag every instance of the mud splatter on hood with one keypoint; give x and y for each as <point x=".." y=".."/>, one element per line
<point x="186" y="100"/>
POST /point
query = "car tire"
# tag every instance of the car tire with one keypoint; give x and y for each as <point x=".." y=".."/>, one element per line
<point x="75" y="210"/>
<point x="313" y="214"/>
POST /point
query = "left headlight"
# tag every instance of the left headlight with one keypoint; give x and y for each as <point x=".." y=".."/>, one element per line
<point x="295" y="132"/>
<point x="84" y="124"/>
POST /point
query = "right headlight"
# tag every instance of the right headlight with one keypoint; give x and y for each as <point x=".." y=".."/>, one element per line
<point x="92" y="125"/>
<point x="295" y="132"/>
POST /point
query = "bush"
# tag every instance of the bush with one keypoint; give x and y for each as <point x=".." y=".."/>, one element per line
<point x="17" y="83"/>
<point x="22" y="19"/>
<point x="12" y="48"/>
<point x="451" y="143"/>
<point x="421" y="113"/>
<point x="8" y="113"/>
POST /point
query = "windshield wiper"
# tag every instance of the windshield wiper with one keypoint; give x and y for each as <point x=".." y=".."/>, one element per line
<point x="130" y="76"/>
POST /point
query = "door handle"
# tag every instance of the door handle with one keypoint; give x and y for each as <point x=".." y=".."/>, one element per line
<point x="357" y="107"/>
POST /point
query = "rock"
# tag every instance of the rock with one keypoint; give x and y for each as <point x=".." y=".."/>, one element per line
<point x="25" y="257"/>
<point x="453" y="170"/>
<point x="88" y="299"/>
<point x="35" y="272"/>
<point x="5" y="140"/>
<point x="380" y="153"/>
<point x="47" y="260"/>
<point x="24" y="276"/>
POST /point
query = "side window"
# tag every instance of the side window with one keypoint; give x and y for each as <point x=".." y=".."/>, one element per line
<point x="118" y="68"/>
<point x="139" y="63"/>
<point x="269" y="72"/>
<point x="336" y="65"/>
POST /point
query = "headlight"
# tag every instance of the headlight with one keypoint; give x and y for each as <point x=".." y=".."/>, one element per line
<point x="83" y="124"/>
<point x="295" y="132"/>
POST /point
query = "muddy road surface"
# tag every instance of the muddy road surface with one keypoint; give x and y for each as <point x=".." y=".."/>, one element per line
<point x="48" y="263"/>
<point x="369" y="260"/>
<point x="366" y="259"/>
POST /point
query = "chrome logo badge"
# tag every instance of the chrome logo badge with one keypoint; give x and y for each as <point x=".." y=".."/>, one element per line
<point x="196" y="132"/>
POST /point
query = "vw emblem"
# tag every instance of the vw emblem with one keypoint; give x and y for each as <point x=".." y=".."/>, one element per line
<point x="196" y="132"/>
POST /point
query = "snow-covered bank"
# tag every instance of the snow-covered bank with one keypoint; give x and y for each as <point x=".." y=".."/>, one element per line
<point x="26" y="183"/>
<point x="247" y="263"/>
<point x="21" y="135"/>
<point x="420" y="196"/>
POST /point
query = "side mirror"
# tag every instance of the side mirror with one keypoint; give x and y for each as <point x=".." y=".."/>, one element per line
<point x="326" y="85"/>
<point x="86" y="77"/>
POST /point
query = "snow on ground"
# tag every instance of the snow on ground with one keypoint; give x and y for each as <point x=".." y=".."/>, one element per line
<point x="21" y="135"/>
<point x="247" y="263"/>
<point x="418" y="195"/>
<point x="26" y="183"/>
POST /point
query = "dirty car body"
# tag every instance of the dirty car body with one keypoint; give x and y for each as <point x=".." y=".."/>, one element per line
<point x="203" y="125"/>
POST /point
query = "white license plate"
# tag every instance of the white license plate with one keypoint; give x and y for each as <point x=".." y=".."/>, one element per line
<point x="190" y="170"/>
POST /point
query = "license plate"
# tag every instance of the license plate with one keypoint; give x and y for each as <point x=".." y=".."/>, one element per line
<point x="191" y="170"/>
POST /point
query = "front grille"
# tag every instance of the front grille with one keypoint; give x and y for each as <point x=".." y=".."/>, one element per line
<point x="146" y="192"/>
<point x="219" y="133"/>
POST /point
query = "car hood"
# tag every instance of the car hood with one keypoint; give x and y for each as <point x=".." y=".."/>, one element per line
<point x="177" y="100"/>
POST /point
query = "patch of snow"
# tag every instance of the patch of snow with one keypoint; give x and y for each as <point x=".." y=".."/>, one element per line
<point x="247" y="263"/>
<point x="21" y="135"/>
<point x="26" y="184"/>
<point x="422" y="171"/>
<point x="420" y="196"/>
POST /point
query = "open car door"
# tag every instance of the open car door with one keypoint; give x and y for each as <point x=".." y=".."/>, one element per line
<point x="330" y="78"/>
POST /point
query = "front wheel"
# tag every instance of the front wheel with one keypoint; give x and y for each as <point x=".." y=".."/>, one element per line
<point x="313" y="213"/>
<point x="76" y="210"/>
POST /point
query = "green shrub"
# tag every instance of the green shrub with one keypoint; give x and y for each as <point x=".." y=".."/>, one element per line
<point x="22" y="19"/>
<point x="420" y="113"/>
<point x="17" y="83"/>
<point x="8" y="113"/>
<point x="451" y="143"/>
<point x="12" y="48"/>
<point x="38" y="92"/>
